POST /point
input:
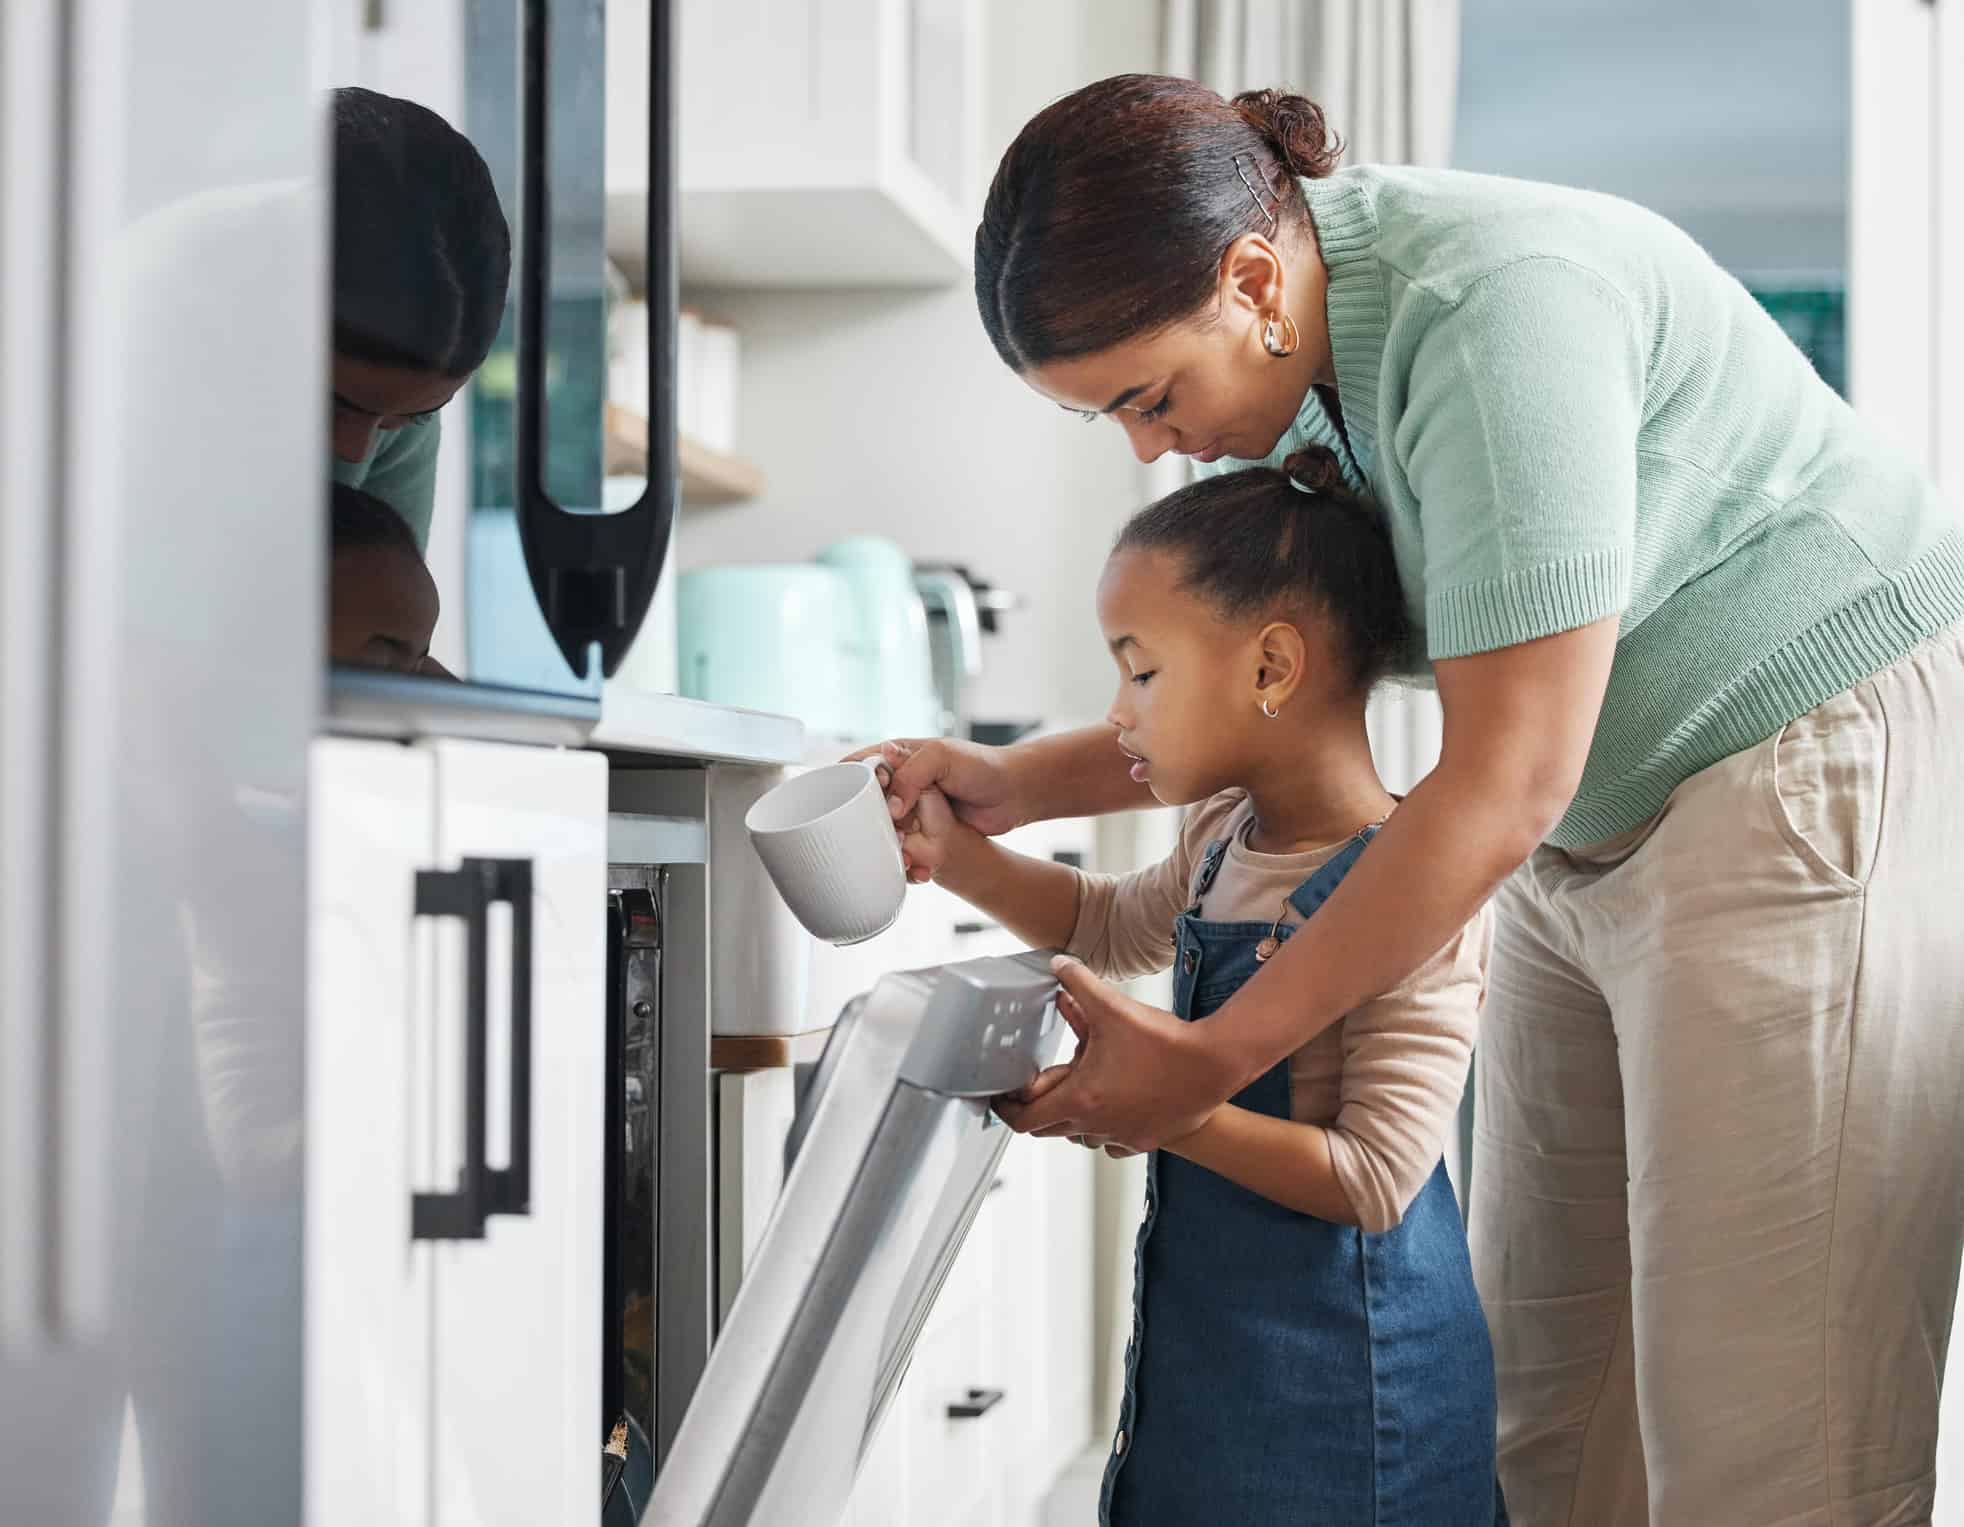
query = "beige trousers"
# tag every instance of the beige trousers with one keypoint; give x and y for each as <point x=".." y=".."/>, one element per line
<point x="1718" y="1181"/>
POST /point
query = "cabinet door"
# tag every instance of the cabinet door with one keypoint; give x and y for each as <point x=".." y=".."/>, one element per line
<point x="1067" y="1302"/>
<point x="517" y="1315"/>
<point x="754" y="1110"/>
<point x="367" y="1283"/>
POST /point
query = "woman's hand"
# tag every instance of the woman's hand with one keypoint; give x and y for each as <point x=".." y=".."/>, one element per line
<point x="1073" y="774"/>
<point x="979" y="783"/>
<point x="1139" y="1080"/>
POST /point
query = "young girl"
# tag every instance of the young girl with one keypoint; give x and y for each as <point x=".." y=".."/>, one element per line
<point x="1307" y="1345"/>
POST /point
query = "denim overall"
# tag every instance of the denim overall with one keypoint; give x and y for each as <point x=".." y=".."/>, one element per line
<point x="1283" y="1369"/>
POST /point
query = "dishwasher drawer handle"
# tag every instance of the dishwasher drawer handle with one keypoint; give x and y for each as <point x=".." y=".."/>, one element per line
<point x="467" y="894"/>
<point x="977" y="1402"/>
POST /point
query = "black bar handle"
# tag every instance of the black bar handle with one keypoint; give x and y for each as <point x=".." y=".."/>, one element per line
<point x="508" y="1189"/>
<point x="594" y="574"/>
<point x="463" y="894"/>
<point x="467" y="893"/>
<point x="977" y="1402"/>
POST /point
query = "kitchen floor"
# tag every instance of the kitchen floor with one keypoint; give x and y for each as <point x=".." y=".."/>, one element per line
<point x="1073" y="1500"/>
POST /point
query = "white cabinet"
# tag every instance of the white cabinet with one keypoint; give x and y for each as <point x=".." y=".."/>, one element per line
<point x="1906" y="228"/>
<point x="824" y="143"/>
<point x="453" y="1346"/>
<point x="367" y="1283"/>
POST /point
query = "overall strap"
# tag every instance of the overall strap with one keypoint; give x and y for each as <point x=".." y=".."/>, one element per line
<point x="1210" y="866"/>
<point x="1326" y="877"/>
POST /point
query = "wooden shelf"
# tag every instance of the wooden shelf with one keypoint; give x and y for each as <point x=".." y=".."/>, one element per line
<point x="708" y="477"/>
<point x="763" y="1052"/>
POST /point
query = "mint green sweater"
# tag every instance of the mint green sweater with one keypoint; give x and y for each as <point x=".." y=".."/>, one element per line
<point x="400" y="469"/>
<point x="1567" y="412"/>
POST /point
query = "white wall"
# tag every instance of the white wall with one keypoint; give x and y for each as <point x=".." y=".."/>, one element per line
<point x="887" y="412"/>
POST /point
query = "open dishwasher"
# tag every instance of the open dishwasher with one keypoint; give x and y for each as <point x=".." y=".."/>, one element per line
<point x="890" y="1155"/>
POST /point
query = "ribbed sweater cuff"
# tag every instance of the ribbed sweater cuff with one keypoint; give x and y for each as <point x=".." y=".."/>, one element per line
<point x="1526" y="605"/>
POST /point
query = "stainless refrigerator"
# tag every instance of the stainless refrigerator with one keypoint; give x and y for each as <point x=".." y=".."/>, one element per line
<point x="165" y="365"/>
<point x="162" y="345"/>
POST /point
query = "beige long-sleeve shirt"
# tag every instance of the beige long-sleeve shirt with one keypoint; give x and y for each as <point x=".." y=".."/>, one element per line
<point x="1385" y="1080"/>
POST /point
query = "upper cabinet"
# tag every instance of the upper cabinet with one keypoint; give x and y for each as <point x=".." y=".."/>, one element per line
<point x="823" y="143"/>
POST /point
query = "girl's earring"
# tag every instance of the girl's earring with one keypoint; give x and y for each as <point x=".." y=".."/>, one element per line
<point x="1280" y="335"/>
<point x="1271" y="714"/>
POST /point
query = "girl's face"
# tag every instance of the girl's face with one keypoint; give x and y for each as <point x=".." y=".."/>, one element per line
<point x="1190" y="683"/>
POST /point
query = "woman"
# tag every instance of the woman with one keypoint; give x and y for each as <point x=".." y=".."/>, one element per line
<point x="1696" y="636"/>
<point x="422" y="256"/>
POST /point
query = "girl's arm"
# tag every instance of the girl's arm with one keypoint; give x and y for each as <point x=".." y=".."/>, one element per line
<point x="1119" y="925"/>
<point x="1286" y="1162"/>
<point x="1035" y="899"/>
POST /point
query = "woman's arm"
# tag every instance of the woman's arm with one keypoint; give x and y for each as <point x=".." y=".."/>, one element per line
<point x="1405" y="1057"/>
<point x="993" y="790"/>
<point x="1518" y="722"/>
<point x="1076" y="774"/>
<point x="1286" y="1162"/>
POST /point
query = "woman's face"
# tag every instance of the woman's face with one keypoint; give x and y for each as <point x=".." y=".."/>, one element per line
<point x="1206" y="386"/>
<point x="370" y="396"/>
<point x="1184" y="677"/>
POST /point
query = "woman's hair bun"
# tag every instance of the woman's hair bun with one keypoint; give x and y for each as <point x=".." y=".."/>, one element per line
<point x="1295" y="129"/>
<point x="1316" y="468"/>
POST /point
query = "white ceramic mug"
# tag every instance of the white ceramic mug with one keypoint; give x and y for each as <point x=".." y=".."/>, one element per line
<point x="828" y="841"/>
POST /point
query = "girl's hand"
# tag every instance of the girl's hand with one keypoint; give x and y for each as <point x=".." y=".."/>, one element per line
<point x="932" y="838"/>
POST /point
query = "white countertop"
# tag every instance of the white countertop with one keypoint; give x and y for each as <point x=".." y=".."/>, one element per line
<point x="668" y="726"/>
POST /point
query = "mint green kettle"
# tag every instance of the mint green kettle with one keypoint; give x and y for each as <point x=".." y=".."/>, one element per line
<point x="889" y="683"/>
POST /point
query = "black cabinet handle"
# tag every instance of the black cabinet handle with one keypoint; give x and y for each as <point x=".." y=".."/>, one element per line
<point x="595" y="574"/>
<point x="978" y="1402"/>
<point x="467" y="893"/>
<point x="509" y="1189"/>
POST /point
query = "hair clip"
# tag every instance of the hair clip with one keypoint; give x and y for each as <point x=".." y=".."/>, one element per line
<point x="1242" y="170"/>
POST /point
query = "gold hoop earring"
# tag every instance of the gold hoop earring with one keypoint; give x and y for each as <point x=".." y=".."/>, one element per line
<point x="1280" y="335"/>
<point x="1272" y="715"/>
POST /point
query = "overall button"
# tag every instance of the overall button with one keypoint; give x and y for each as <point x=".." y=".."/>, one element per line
<point x="1118" y="1447"/>
<point x="1188" y="961"/>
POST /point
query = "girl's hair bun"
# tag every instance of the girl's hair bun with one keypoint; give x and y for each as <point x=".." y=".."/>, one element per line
<point x="1317" y="468"/>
